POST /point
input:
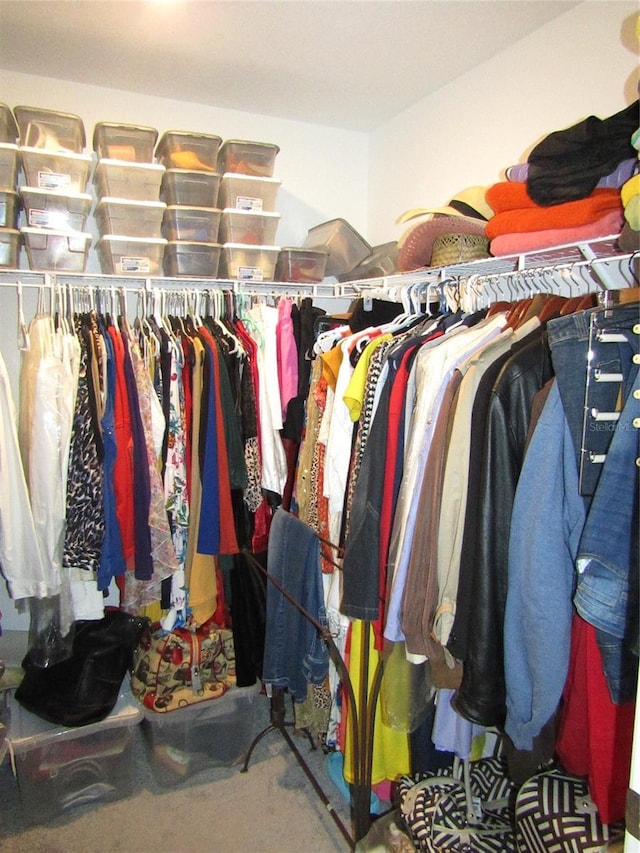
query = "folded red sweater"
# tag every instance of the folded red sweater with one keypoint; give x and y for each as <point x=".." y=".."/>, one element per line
<point x="570" y="214"/>
<point x="513" y="195"/>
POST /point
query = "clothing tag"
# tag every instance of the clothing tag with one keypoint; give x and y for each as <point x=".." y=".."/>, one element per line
<point x="196" y="683"/>
<point x="367" y="303"/>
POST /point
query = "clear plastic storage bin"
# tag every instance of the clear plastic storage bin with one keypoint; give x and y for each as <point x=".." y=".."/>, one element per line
<point x="382" y="261"/>
<point x="10" y="245"/>
<point x="301" y="265"/>
<point x="200" y="224"/>
<point x="129" y="142"/>
<point x="50" y="129"/>
<point x="247" y="158"/>
<point x="245" y="192"/>
<point x="130" y="218"/>
<point x="249" y="226"/>
<point x="9" y="160"/>
<point x="210" y="734"/>
<point x="121" y="255"/>
<point x="55" y="170"/>
<point x="242" y="262"/>
<point x="59" y="768"/>
<point x="345" y="246"/>
<point x="8" y="127"/>
<point x="56" y="250"/>
<point x="57" y="210"/>
<point x="9" y="208"/>
<point x="181" y="149"/>
<point x="200" y="260"/>
<point x="133" y="181"/>
<point x="190" y="187"/>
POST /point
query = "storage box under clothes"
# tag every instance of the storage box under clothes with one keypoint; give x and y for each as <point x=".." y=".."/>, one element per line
<point x="184" y="258"/>
<point x="128" y="142"/>
<point x="190" y="187"/>
<point x="56" y="250"/>
<point x="55" y="170"/>
<point x="242" y="262"/>
<point x="10" y="245"/>
<point x="120" y="255"/>
<point x="247" y="192"/>
<point x="133" y="181"/>
<point x="216" y="733"/>
<point x="54" y="209"/>
<point x="129" y="217"/>
<point x="58" y="768"/>
<point x="181" y="222"/>
<point x="181" y="149"/>
<point x="249" y="226"/>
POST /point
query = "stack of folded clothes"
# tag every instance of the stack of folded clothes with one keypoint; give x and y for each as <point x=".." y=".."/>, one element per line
<point x="629" y="240"/>
<point x="570" y="188"/>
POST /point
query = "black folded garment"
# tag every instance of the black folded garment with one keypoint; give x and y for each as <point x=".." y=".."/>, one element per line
<point x="567" y="164"/>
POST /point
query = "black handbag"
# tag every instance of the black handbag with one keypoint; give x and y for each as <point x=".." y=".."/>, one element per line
<point x="84" y="687"/>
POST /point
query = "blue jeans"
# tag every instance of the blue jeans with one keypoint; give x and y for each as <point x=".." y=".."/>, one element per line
<point x="607" y="588"/>
<point x="295" y="655"/>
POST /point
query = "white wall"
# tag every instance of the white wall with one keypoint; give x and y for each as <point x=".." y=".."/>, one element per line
<point x="583" y="63"/>
<point x="324" y="171"/>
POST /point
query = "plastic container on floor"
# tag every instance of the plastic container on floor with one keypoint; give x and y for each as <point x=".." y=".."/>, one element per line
<point x="58" y="768"/>
<point x="198" y="737"/>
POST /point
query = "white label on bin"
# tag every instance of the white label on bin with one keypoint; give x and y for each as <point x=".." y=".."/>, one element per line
<point x="53" y="180"/>
<point x="41" y="218"/>
<point x="135" y="265"/>
<point x="250" y="274"/>
<point x="247" y="202"/>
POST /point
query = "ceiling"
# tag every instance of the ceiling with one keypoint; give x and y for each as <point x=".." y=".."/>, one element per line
<point x="349" y="64"/>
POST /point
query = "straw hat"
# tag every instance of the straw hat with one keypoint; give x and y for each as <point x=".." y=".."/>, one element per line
<point x="466" y="213"/>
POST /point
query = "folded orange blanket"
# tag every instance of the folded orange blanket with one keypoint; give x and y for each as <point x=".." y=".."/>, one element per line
<point x="513" y="195"/>
<point x="570" y="214"/>
<point x="514" y="244"/>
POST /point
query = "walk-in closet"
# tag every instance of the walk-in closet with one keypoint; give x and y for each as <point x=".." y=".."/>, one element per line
<point x="319" y="426"/>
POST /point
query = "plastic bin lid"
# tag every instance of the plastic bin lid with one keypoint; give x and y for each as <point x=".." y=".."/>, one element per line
<point x="199" y="172"/>
<point x="305" y="250"/>
<point x="240" y="176"/>
<point x="73" y="123"/>
<point x="250" y="246"/>
<point x="187" y="134"/>
<point x="270" y="145"/>
<point x="187" y="209"/>
<point x="7" y="119"/>
<point x="199" y="243"/>
<point x="40" y="191"/>
<point x="55" y="232"/>
<point x="129" y="202"/>
<point x="100" y="126"/>
<point x="27" y="730"/>
<point x="105" y="162"/>
<point x="47" y="153"/>
<point x="111" y="238"/>
<point x="238" y="211"/>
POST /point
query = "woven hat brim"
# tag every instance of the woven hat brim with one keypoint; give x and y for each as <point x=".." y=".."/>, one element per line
<point x="416" y="245"/>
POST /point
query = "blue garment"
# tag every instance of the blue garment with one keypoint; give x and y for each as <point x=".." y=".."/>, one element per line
<point x="612" y="524"/>
<point x="112" y="560"/>
<point x="294" y="653"/>
<point x="546" y="525"/>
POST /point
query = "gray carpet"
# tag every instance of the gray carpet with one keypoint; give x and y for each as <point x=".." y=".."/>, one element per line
<point x="272" y="807"/>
